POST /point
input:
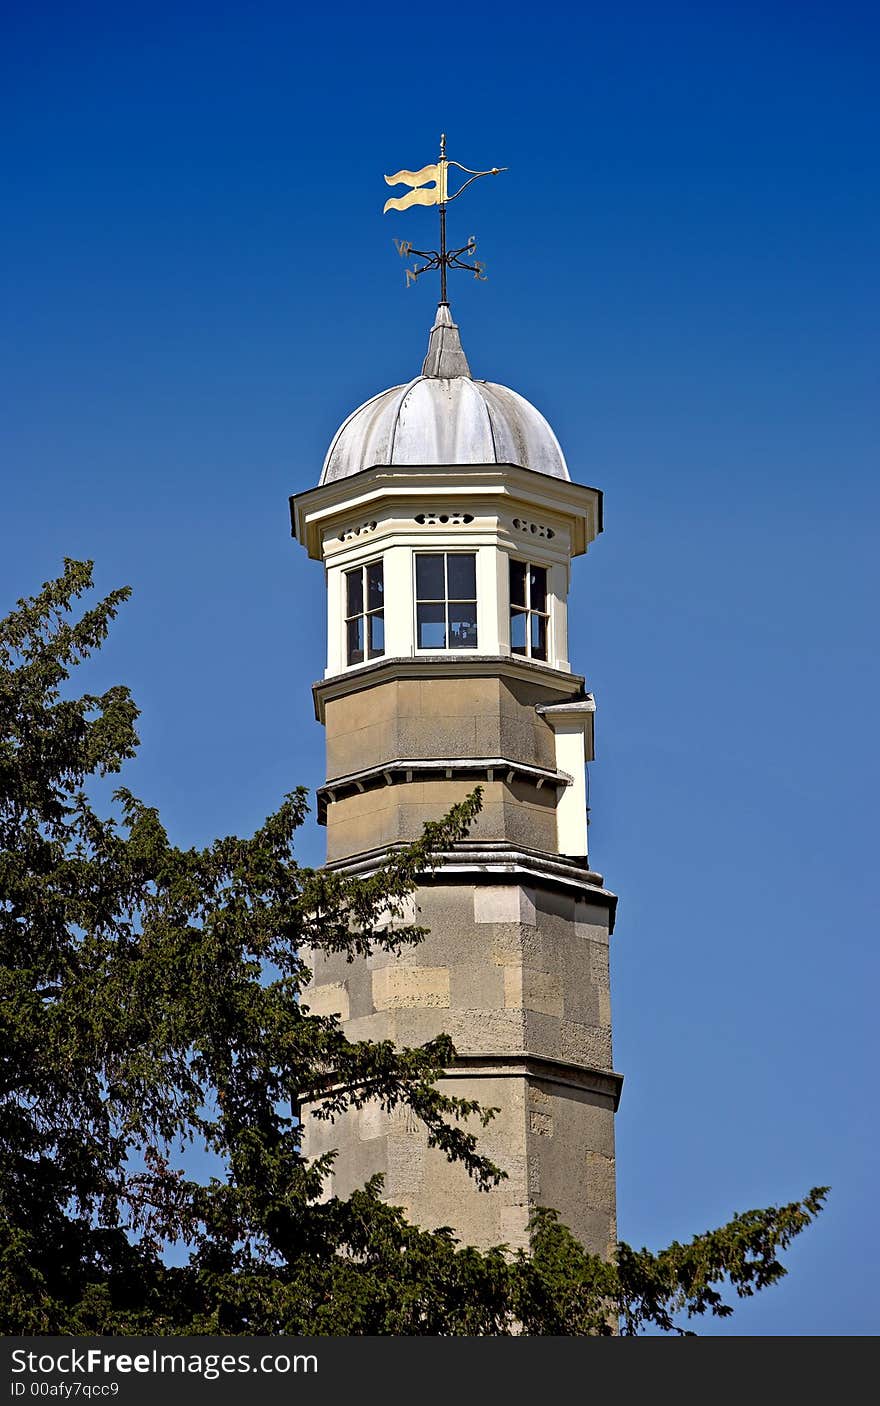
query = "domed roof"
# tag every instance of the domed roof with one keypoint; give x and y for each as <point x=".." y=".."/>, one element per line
<point x="444" y="417"/>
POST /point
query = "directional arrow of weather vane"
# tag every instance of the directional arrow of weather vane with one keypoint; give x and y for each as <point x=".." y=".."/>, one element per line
<point x="430" y="186"/>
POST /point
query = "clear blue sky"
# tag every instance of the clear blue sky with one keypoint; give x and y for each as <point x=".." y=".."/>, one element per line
<point x="199" y="285"/>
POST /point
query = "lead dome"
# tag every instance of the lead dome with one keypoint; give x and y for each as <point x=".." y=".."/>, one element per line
<point x="444" y="416"/>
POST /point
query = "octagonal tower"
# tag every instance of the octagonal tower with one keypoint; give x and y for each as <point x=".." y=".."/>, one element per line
<point x="447" y="521"/>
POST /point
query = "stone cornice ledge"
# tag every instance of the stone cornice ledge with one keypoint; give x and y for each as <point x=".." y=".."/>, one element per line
<point x="603" y="1083"/>
<point x="495" y="862"/>
<point x="455" y="666"/>
<point x="403" y="769"/>
<point x="606" y="1083"/>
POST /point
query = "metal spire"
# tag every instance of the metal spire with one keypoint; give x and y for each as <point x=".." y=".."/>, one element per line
<point x="446" y="358"/>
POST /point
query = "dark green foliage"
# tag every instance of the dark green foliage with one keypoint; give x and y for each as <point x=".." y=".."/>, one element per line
<point x="148" y="1004"/>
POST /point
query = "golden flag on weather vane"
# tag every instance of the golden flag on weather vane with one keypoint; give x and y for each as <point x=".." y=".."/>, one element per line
<point x="422" y="194"/>
<point x="430" y="186"/>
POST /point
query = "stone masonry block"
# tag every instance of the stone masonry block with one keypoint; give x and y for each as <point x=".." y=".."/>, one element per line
<point x="599" y="976"/>
<point x="401" y="987"/>
<point x="379" y="1026"/>
<point x="586" y="1044"/>
<point x="542" y="1033"/>
<point x="476" y="986"/>
<point x="331" y="999"/>
<point x="406" y="1167"/>
<point x="372" y="1122"/>
<point x="449" y="943"/>
<point x="467" y="697"/>
<point x="348" y="752"/>
<point x="513" y="1222"/>
<point x="527" y="989"/>
<point x="409" y="698"/>
<point x="541" y="949"/>
<point x="496" y="1031"/>
<point x="507" y="944"/>
<point x="446" y="737"/>
<point x="398" y="988"/>
<point x="504" y="903"/>
<point x="600" y="1190"/>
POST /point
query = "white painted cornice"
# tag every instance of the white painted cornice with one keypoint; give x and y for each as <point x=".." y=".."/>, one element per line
<point x="316" y="512"/>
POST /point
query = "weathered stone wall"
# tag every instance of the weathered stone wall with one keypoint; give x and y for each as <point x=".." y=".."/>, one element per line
<point x="514" y="811"/>
<point x="518" y="977"/>
<point x="438" y="718"/>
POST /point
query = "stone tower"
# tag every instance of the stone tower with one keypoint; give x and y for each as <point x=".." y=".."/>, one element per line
<point x="446" y="520"/>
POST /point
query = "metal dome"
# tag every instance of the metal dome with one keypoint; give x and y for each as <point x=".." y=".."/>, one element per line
<point x="445" y="417"/>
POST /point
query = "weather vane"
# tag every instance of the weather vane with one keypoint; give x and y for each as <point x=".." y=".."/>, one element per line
<point x="423" y="192"/>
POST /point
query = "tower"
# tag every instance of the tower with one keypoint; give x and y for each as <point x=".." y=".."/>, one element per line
<point x="447" y="521"/>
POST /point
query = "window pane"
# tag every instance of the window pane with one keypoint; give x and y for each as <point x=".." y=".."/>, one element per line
<point x="355" y="631"/>
<point x="431" y="621"/>
<point x="429" y="577"/>
<point x="354" y="587"/>
<point x="462" y="573"/>
<point x="375" y="590"/>
<point x="538" y="587"/>
<point x="517" y="583"/>
<point x="518" y="631"/>
<point x="376" y="634"/>
<point x="539" y="636"/>
<point x="462" y="624"/>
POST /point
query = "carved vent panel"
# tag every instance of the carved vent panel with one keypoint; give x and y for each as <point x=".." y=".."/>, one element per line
<point x="448" y="519"/>
<point x="533" y="529"/>
<point x="363" y="529"/>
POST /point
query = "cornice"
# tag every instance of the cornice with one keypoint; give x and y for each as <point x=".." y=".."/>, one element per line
<point x="314" y="510"/>
<point x="606" y="1083"/>
<point x="602" y="1083"/>
<point x="449" y="666"/>
<point x="494" y="862"/>
<point x="404" y="770"/>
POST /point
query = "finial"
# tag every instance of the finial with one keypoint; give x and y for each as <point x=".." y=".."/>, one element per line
<point x="445" y="359"/>
<point x="430" y="186"/>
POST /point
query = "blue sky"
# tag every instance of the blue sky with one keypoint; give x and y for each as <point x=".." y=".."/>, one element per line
<point x="199" y="285"/>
